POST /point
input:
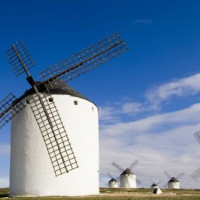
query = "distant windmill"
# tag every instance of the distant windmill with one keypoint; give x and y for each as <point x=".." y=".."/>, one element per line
<point x="155" y="184"/>
<point x="55" y="129"/>
<point x="173" y="182"/>
<point x="156" y="188"/>
<point x="112" y="183"/>
<point x="127" y="177"/>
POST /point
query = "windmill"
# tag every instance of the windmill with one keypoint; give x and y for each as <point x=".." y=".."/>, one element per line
<point x="54" y="133"/>
<point x="112" y="183"/>
<point x="155" y="184"/>
<point x="127" y="177"/>
<point x="155" y="187"/>
<point x="173" y="182"/>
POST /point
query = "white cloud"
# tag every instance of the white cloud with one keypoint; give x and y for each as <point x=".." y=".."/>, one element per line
<point x="132" y="107"/>
<point x="4" y="182"/>
<point x="108" y="114"/>
<point x="182" y="87"/>
<point x="188" y="115"/>
<point x="115" y="112"/>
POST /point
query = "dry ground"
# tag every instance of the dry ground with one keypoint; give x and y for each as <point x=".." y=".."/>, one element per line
<point x="120" y="194"/>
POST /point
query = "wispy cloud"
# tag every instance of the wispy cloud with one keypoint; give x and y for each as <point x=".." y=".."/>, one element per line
<point x="113" y="113"/>
<point x="156" y="122"/>
<point x="143" y="21"/>
<point x="117" y="111"/>
<point x="182" y="87"/>
<point x="132" y="107"/>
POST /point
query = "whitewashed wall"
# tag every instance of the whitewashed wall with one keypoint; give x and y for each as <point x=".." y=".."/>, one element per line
<point x="113" y="184"/>
<point x="174" y="185"/>
<point x="128" y="181"/>
<point x="31" y="172"/>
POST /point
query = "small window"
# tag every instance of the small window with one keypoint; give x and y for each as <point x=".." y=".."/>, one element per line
<point x="50" y="99"/>
<point x="27" y="101"/>
<point x="75" y="102"/>
<point x="92" y="108"/>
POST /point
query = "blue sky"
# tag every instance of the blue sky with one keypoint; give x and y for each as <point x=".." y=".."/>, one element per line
<point x="148" y="97"/>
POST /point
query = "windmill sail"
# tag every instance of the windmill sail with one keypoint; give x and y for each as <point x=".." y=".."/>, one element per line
<point x="54" y="134"/>
<point x="19" y="50"/>
<point x="8" y="109"/>
<point x="179" y="176"/>
<point x="117" y="166"/>
<point x="109" y="175"/>
<point x="167" y="174"/>
<point x="197" y="136"/>
<point x="86" y="60"/>
<point x="196" y="174"/>
<point x="133" y="164"/>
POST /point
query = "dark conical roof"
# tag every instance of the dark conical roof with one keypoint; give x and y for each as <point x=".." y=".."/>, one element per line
<point x="112" y="180"/>
<point x="153" y="185"/>
<point x="126" y="171"/>
<point x="173" y="179"/>
<point x="58" y="87"/>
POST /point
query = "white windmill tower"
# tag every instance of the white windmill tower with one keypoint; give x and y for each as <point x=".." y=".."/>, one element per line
<point x="127" y="177"/>
<point x="54" y="142"/>
<point x="173" y="182"/>
<point x="112" y="183"/>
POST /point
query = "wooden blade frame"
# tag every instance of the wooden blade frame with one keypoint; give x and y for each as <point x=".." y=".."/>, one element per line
<point x="109" y="175"/>
<point x="86" y="60"/>
<point x="117" y="166"/>
<point x="196" y="174"/>
<point x="24" y="55"/>
<point x="167" y="174"/>
<point x="8" y="109"/>
<point x="197" y="136"/>
<point x="159" y="182"/>
<point x="180" y="175"/>
<point x="133" y="164"/>
<point x="54" y="134"/>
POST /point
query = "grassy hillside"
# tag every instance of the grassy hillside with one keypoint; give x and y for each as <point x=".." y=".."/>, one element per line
<point x="121" y="194"/>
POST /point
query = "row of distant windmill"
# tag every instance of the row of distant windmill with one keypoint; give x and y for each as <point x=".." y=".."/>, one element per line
<point x="128" y="179"/>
